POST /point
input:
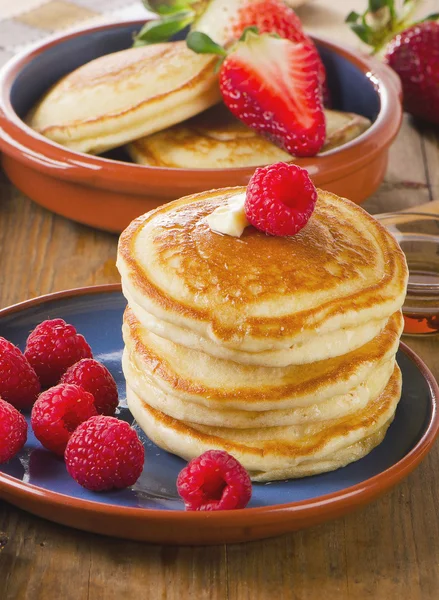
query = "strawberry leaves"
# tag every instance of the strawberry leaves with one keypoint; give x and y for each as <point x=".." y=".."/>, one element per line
<point x="168" y="7"/>
<point x="160" y="30"/>
<point x="202" y="44"/>
<point x="381" y="21"/>
<point x="173" y="17"/>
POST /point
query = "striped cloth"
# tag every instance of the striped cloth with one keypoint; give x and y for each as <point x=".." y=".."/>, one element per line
<point x="27" y="22"/>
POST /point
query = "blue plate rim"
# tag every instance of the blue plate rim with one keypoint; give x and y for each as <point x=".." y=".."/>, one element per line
<point x="335" y="502"/>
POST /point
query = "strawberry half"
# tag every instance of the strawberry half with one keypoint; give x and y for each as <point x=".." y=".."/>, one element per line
<point x="274" y="16"/>
<point x="272" y="85"/>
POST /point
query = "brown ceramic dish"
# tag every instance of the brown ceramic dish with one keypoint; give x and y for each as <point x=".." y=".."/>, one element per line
<point x="108" y="193"/>
<point x="37" y="481"/>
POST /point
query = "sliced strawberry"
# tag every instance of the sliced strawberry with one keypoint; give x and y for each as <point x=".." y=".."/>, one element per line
<point x="272" y="85"/>
<point x="274" y="16"/>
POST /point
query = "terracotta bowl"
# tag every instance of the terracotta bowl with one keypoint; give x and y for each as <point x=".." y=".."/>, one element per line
<point x="108" y="193"/>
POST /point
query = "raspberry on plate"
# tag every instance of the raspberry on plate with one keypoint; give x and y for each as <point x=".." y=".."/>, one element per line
<point x="13" y="431"/>
<point x="58" y="412"/>
<point x="105" y="453"/>
<point x="53" y="347"/>
<point x="280" y="199"/>
<point x="95" y="378"/>
<point x="19" y="383"/>
<point x="214" y="481"/>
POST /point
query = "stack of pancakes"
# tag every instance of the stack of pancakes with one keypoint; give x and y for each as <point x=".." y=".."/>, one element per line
<point x="279" y="350"/>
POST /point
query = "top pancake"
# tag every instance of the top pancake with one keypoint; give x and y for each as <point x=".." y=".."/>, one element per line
<point x="122" y="96"/>
<point x="261" y="293"/>
<point x="215" y="139"/>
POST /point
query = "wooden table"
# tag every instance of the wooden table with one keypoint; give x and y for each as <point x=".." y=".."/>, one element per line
<point x="387" y="550"/>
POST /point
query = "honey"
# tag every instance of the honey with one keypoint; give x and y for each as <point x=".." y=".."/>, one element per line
<point x="418" y="236"/>
<point x="418" y="323"/>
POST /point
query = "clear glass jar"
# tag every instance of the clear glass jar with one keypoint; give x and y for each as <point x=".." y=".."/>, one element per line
<point x="418" y="236"/>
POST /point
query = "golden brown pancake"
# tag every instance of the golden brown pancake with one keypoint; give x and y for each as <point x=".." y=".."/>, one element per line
<point x="215" y="139"/>
<point x="198" y="378"/>
<point x="278" y="452"/>
<point x="259" y="299"/>
<point x="122" y="96"/>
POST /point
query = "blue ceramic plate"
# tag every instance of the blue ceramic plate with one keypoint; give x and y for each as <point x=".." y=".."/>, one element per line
<point x="37" y="480"/>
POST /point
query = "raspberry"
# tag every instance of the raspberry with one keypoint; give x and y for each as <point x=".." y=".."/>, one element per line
<point x="19" y="383"/>
<point x="280" y="199"/>
<point x="53" y="347"/>
<point x="105" y="453"/>
<point x="95" y="378"/>
<point x="13" y="431"/>
<point x="58" y="412"/>
<point x="214" y="481"/>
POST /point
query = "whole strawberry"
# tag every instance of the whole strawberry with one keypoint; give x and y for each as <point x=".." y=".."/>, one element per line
<point x="225" y="22"/>
<point x="13" y="431"/>
<point x="272" y="85"/>
<point x="412" y="50"/>
<point x="53" y="347"/>
<point x="414" y="55"/>
<point x="95" y="378"/>
<point x="19" y="383"/>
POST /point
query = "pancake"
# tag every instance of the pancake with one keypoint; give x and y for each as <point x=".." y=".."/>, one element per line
<point x="120" y="97"/>
<point x="197" y="378"/>
<point x="319" y="294"/>
<point x="216" y="415"/>
<point x="278" y="452"/>
<point x="216" y="139"/>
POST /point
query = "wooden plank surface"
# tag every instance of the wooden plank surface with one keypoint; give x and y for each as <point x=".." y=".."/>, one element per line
<point x="387" y="550"/>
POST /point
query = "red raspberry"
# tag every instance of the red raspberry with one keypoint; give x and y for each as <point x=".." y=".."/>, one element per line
<point x="53" y="347"/>
<point x="214" y="481"/>
<point x="105" y="453"/>
<point x="95" y="378"/>
<point x="13" y="431"/>
<point x="19" y="383"/>
<point x="58" y="412"/>
<point x="280" y="199"/>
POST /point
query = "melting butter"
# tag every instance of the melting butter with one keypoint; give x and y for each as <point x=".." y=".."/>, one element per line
<point x="229" y="219"/>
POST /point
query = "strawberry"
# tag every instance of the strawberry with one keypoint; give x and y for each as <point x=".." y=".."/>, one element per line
<point x="274" y="16"/>
<point x="225" y="21"/>
<point x="272" y="85"/>
<point x="269" y="16"/>
<point x="412" y="50"/>
<point x="414" y="55"/>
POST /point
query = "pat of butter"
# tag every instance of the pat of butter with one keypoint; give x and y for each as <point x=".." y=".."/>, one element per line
<point x="229" y="219"/>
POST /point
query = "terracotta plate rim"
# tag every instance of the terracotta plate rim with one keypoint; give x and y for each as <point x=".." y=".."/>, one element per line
<point x="336" y="501"/>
